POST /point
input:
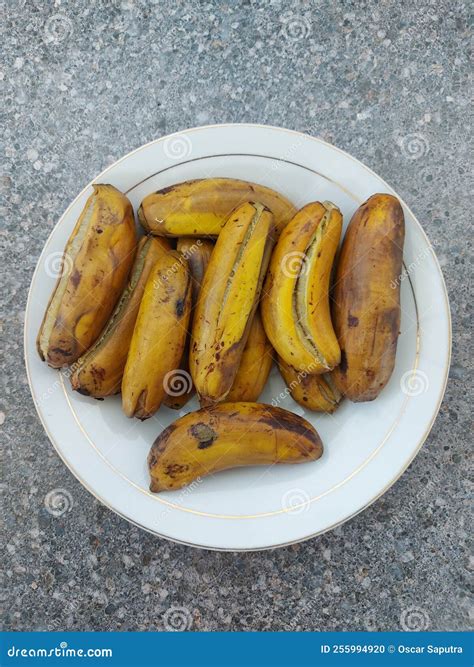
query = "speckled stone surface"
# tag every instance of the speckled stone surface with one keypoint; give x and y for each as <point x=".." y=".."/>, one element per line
<point x="86" y="82"/>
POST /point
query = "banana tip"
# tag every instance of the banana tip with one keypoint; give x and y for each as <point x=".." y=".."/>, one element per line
<point x="155" y="487"/>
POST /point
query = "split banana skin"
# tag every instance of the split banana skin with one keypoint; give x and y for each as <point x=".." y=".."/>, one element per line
<point x="228" y="299"/>
<point x="229" y="277"/>
<point x="197" y="253"/>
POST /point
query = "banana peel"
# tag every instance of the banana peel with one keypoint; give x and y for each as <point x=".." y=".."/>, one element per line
<point x="158" y="338"/>
<point x="295" y="302"/>
<point x="99" y="372"/>
<point x="313" y="392"/>
<point x="229" y="435"/>
<point x="255" y="365"/>
<point x="366" y="303"/>
<point x="197" y="253"/>
<point x="96" y="263"/>
<point x="228" y="299"/>
<point x="201" y="207"/>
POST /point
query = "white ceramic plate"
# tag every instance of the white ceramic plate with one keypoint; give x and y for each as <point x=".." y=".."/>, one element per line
<point x="367" y="446"/>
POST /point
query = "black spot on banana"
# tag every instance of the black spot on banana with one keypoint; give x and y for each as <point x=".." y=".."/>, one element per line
<point x="229" y="435"/>
<point x="228" y="299"/>
<point x="97" y="260"/>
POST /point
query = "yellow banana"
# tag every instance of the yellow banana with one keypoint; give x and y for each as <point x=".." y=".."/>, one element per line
<point x="314" y="392"/>
<point x="255" y="364"/>
<point x="366" y="304"/>
<point x="295" y="302"/>
<point x="179" y="385"/>
<point x="95" y="265"/>
<point x="227" y="301"/>
<point x="229" y="435"/>
<point x="159" y="336"/>
<point x="99" y="372"/>
<point x="201" y="207"/>
<point x="197" y="252"/>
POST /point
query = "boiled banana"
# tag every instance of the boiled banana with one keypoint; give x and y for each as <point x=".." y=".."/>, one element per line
<point x="255" y="364"/>
<point x="197" y="252"/>
<point x="314" y="392"/>
<point x="227" y="300"/>
<point x="229" y="435"/>
<point x="159" y="336"/>
<point x="201" y="207"/>
<point x="295" y="302"/>
<point x="99" y="372"/>
<point x="95" y="265"/>
<point x="366" y="306"/>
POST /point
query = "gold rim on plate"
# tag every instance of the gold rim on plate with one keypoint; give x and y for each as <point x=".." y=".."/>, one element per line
<point x="339" y="484"/>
